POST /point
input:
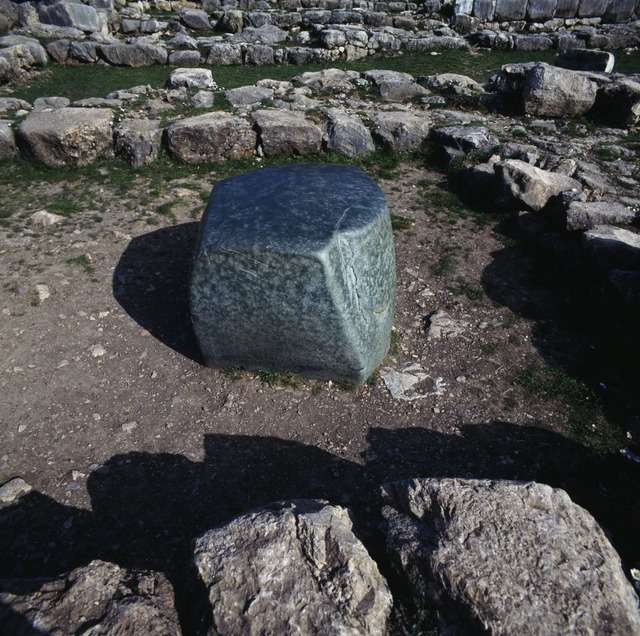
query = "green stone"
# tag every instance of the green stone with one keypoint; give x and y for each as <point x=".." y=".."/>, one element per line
<point x="294" y="270"/>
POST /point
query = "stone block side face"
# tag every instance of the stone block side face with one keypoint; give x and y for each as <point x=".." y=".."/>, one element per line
<point x="318" y="300"/>
<point x="541" y="9"/>
<point x="510" y="10"/>
<point x="592" y="8"/>
<point x="567" y="8"/>
<point x="66" y="135"/>
<point x="484" y="9"/>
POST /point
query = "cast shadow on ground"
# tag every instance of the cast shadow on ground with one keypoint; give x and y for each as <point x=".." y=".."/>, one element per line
<point x="573" y="330"/>
<point x="146" y="508"/>
<point x="151" y="283"/>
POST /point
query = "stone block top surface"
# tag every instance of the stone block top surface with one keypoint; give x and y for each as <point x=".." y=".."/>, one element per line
<point x="291" y="209"/>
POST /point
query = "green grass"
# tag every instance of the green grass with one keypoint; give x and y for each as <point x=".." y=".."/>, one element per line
<point x="583" y="406"/>
<point x="83" y="263"/>
<point x="401" y="222"/>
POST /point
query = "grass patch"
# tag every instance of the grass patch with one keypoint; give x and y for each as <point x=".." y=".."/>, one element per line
<point x="462" y="287"/>
<point x="233" y="373"/>
<point x="399" y="223"/>
<point x="83" y="262"/>
<point x="584" y="408"/>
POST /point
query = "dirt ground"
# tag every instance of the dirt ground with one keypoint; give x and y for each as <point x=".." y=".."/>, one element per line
<point x="133" y="447"/>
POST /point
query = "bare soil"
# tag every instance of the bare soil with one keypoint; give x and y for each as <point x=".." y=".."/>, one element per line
<point x="133" y="447"/>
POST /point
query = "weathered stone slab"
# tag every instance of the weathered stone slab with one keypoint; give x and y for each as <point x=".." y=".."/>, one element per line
<point x="223" y="54"/>
<point x="550" y="91"/>
<point x="586" y="60"/>
<point x="134" y="55"/>
<point x="502" y="557"/>
<point x="618" y="103"/>
<point x="567" y="8"/>
<point x="524" y="186"/>
<point x="247" y="95"/>
<point x="612" y="247"/>
<point x="467" y="139"/>
<point x="592" y="8"/>
<point x="541" y="10"/>
<point x="195" y="19"/>
<point x="190" y="78"/>
<point x="65" y="135"/>
<point x="507" y="10"/>
<point x="137" y="141"/>
<point x="281" y="131"/>
<point x="99" y="598"/>
<point x="72" y="14"/>
<point x="346" y="134"/>
<point x="295" y="270"/>
<point x="292" y="568"/>
<point x="619" y="10"/>
<point x="583" y="215"/>
<point x="211" y="137"/>
<point x="399" y="131"/>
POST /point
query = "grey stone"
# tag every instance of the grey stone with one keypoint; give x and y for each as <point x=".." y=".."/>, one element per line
<point x="185" y="58"/>
<point x="484" y="9"/>
<point x="619" y="10"/>
<point x="316" y="16"/>
<point x="435" y="42"/>
<point x="58" y="50"/>
<point x="305" y="273"/>
<point x="523" y="186"/>
<point x="71" y="14"/>
<point x="8" y="104"/>
<point x="83" y="51"/>
<point x="332" y="38"/>
<point x="128" y="25"/>
<point x="508" y="10"/>
<point x="286" y="132"/>
<point x="618" y="103"/>
<point x="14" y="489"/>
<point x="288" y="20"/>
<point x="28" y="48"/>
<point x="346" y="134"/>
<point x="591" y="176"/>
<point x="195" y="19"/>
<point x="98" y="599"/>
<point x="183" y="41"/>
<point x="401" y="91"/>
<point x="190" y="78"/>
<point x="212" y="137"/>
<point x="247" y="95"/>
<point x="592" y="8"/>
<point x="452" y="84"/>
<point x="223" y="54"/>
<point x="268" y="34"/>
<point x="612" y="247"/>
<point x="137" y="141"/>
<point x="550" y="91"/>
<point x="133" y="55"/>
<point x="152" y="26"/>
<point x="50" y="103"/>
<point x="587" y="215"/>
<point x="7" y="140"/>
<point x="202" y="99"/>
<point x="586" y="60"/>
<point x="541" y="10"/>
<point x="567" y="8"/>
<point x="328" y="80"/>
<point x="258" y="55"/>
<point x="257" y="19"/>
<point x="532" y="42"/>
<point x="505" y="557"/>
<point x="65" y="135"/>
<point x="399" y="131"/>
<point x="384" y="42"/>
<point x="292" y="568"/>
<point x="468" y="139"/>
<point x="463" y="6"/>
<point x="231" y="21"/>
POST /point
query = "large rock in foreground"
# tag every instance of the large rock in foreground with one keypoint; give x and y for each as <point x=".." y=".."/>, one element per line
<point x="508" y="558"/>
<point x="292" y="568"/>
<point x="66" y="135"/>
<point x="99" y="598"/>
<point x="294" y="270"/>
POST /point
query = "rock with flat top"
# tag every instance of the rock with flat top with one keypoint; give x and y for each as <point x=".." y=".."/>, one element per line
<point x="346" y="134"/>
<point x="294" y="270"/>
<point x="611" y="247"/>
<point x="398" y="130"/>
<point x="137" y="141"/>
<point x="584" y="215"/>
<point x="66" y="135"/>
<point x="282" y="131"/>
<point x="503" y="557"/>
<point x="291" y="568"/>
<point x="190" y="78"/>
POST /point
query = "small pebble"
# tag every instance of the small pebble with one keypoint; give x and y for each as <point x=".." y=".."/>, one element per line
<point x="129" y="426"/>
<point x="13" y="489"/>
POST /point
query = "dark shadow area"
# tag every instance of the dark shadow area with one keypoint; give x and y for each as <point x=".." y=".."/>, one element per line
<point x="147" y="508"/>
<point x="576" y="329"/>
<point x="151" y="283"/>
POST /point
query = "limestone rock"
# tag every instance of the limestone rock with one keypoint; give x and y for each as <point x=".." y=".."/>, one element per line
<point x="224" y="54"/>
<point x="72" y="14"/>
<point x="13" y="489"/>
<point x="551" y="91"/>
<point x="134" y="55"/>
<point x="582" y="215"/>
<point x="468" y="139"/>
<point x="7" y="140"/>
<point x="50" y="103"/>
<point x="399" y="130"/>
<point x="305" y="273"/>
<point x="411" y="382"/>
<point x="434" y="42"/>
<point x="195" y="19"/>
<point x="66" y="135"/>
<point x="331" y="80"/>
<point x="190" y="59"/>
<point x="618" y="103"/>
<point x="612" y="247"/>
<point x="524" y="186"/>
<point x="232" y="21"/>
<point x="401" y="91"/>
<point x="286" y="132"/>
<point x="346" y="134"/>
<point x="98" y="599"/>
<point x="211" y="137"/>
<point x="46" y="219"/>
<point x="258" y="55"/>
<point x="452" y="84"/>
<point x="191" y="78"/>
<point x="292" y="568"/>
<point x="137" y="141"/>
<point x="586" y="60"/>
<point x="247" y="95"/>
<point x="507" y="558"/>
